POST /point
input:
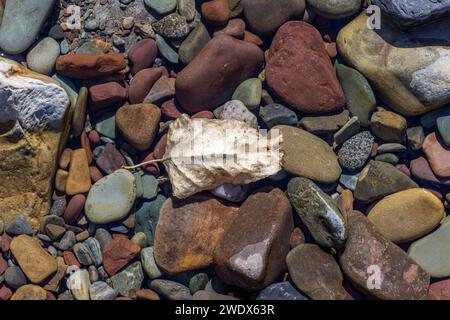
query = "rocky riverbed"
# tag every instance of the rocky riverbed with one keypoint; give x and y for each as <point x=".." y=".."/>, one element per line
<point x="353" y="206"/>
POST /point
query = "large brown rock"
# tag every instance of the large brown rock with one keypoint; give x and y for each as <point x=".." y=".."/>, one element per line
<point x="211" y="78"/>
<point x="87" y="66"/>
<point x="188" y="232"/>
<point x="368" y="255"/>
<point x="33" y="128"/>
<point x="35" y="262"/>
<point x="300" y="72"/>
<point x="252" y="252"/>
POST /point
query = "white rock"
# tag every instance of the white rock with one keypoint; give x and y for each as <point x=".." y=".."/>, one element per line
<point x="79" y="284"/>
<point x="43" y="56"/>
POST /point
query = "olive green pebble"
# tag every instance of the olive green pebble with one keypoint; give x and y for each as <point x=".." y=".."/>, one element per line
<point x="249" y="92"/>
<point x="140" y="239"/>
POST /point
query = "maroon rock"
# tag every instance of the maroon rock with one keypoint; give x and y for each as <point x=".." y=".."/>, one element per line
<point x="74" y="208"/>
<point x="367" y="250"/>
<point x="117" y="253"/>
<point x="142" y="55"/>
<point x="87" y="66"/>
<point x="94" y="139"/>
<point x="110" y="159"/>
<point x="142" y="83"/>
<point x="95" y="174"/>
<point x="3" y="265"/>
<point x="216" y="12"/>
<point x="420" y="169"/>
<point x="211" y="78"/>
<point x="297" y="238"/>
<point x="160" y="147"/>
<point x="5" y="293"/>
<point x="438" y="155"/>
<point x="300" y="71"/>
<point x="106" y="94"/>
<point x="439" y="290"/>
<point x="5" y="242"/>
<point x="70" y="259"/>
<point x="152" y="168"/>
<point x="169" y="110"/>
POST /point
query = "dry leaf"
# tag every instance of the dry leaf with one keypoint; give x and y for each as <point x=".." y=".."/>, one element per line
<point x="202" y="154"/>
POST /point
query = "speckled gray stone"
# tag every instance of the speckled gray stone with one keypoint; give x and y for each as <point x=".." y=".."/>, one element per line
<point x="355" y="151"/>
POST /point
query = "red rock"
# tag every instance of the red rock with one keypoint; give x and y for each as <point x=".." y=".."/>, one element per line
<point x="95" y="174"/>
<point x="188" y="232"/>
<point x="402" y="278"/>
<point x="74" y="208"/>
<point x="3" y="265"/>
<point x="252" y="252"/>
<point x="94" y="139"/>
<point x="110" y="159"/>
<point x="70" y="259"/>
<point x="142" y="83"/>
<point x="160" y="147"/>
<point x="203" y="115"/>
<point x="438" y="155"/>
<point x="117" y="253"/>
<point x="106" y="94"/>
<point x="87" y="66"/>
<point x="297" y="238"/>
<point x="420" y="169"/>
<point x="216" y="12"/>
<point x="152" y="168"/>
<point x="5" y="293"/>
<point x="147" y="294"/>
<point x="253" y="38"/>
<point x="300" y="72"/>
<point x="439" y="290"/>
<point x="211" y="78"/>
<point x="234" y="28"/>
<point x="142" y="55"/>
<point x="169" y="110"/>
<point x="138" y="124"/>
<point x="5" y="242"/>
<point x="86" y="145"/>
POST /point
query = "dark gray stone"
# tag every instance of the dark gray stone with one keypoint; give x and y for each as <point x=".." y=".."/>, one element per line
<point x="281" y="291"/>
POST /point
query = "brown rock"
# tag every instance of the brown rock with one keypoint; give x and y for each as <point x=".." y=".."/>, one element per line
<point x="252" y="251"/>
<point x="110" y="159"/>
<point x="297" y="238"/>
<point x="367" y="250"/>
<point x="147" y="294"/>
<point x="438" y="155"/>
<point x="216" y="12"/>
<point x="316" y="273"/>
<point x="345" y="202"/>
<point x="439" y="290"/>
<point x="164" y="88"/>
<point x="106" y="94"/>
<point x="86" y="145"/>
<point x="95" y="174"/>
<point x="30" y="292"/>
<point x="79" y="180"/>
<point x="298" y="59"/>
<point x="420" y="169"/>
<point x="142" y="55"/>
<point x="234" y="28"/>
<point x="169" y="110"/>
<point x="117" y="253"/>
<point x="252" y="38"/>
<point x="188" y="232"/>
<point x="325" y="124"/>
<point x="211" y="78"/>
<point x="160" y="147"/>
<point x="142" y="83"/>
<point x="35" y="262"/>
<point x="138" y="124"/>
<point x="74" y="208"/>
<point x="86" y="66"/>
<point x="388" y="126"/>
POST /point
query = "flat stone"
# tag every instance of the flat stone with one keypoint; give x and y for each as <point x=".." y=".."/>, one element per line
<point x="245" y="255"/>
<point x="166" y="50"/>
<point x="388" y="126"/>
<point x="308" y="156"/>
<point x="106" y="95"/>
<point x="87" y="66"/>
<point x="109" y="159"/>
<point x="443" y="124"/>
<point x="333" y="9"/>
<point x="318" y="212"/>
<point x="142" y="83"/>
<point x="368" y="253"/>
<point x="162" y="6"/>
<point x="79" y="112"/>
<point x="149" y="264"/>
<point x="350" y="129"/>
<point x="379" y="179"/>
<point x="407" y="215"/>
<point x="188" y="231"/>
<point x="128" y="281"/>
<point x="316" y="273"/>
<point x="43" y="56"/>
<point x="36" y="263"/>
<point x="276" y="114"/>
<point x="79" y="179"/>
<point x="111" y="198"/>
<point x="106" y="125"/>
<point x="171" y="290"/>
<point x="325" y="124"/>
<point x="118" y="253"/>
<point x="163" y="89"/>
<point x="19" y="226"/>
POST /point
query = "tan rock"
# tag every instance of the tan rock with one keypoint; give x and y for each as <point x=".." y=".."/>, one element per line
<point x="35" y="262"/>
<point x="407" y="215"/>
<point x="30" y="292"/>
<point x="79" y="180"/>
<point x="388" y="126"/>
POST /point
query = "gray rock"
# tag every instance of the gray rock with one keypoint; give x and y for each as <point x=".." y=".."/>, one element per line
<point x="171" y="290"/>
<point x="413" y="12"/>
<point x="391" y="148"/>
<point x="129" y="280"/>
<point x="172" y="26"/>
<point x="415" y="136"/>
<point x="14" y="277"/>
<point x="276" y="114"/>
<point x="83" y="254"/>
<point x="198" y="282"/>
<point x="95" y="249"/>
<point x="231" y="192"/>
<point x="67" y="241"/>
<point x="355" y="151"/>
<point x="149" y="264"/>
<point x="349" y="179"/>
<point x="103" y="237"/>
<point x="281" y="291"/>
<point x="18" y="226"/>
<point x="235" y="109"/>
<point x="101" y="291"/>
<point x="43" y="56"/>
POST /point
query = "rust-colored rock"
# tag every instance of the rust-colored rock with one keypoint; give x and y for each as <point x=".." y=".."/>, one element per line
<point x="300" y="72"/>
<point x="117" y="253"/>
<point x="188" y="232"/>
<point x="142" y="55"/>
<point x="142" y="83"/>
<point x="216" y="12"/>
<point x="367" y="252"/>
<point x="252" y="252"/>
<point x="439" y="290"/>
<point x="79" y="180"/>
<point x="87" y="66"/>
<point x="211" y="78"/>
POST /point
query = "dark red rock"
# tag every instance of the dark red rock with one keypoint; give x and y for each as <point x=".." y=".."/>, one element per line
<point x="70" y="259"/>
<point x="5" y="242"/>
<point x="401" y="277"/>
<point x="95" y="174"/>
<point x="300" y="71"/>
<point x="87" y="66"/>
<point x="211" y="78"/>
<point x="94" y="139"/>
<point x="110" y="159"/>
<point x="142" y="55"/>
<point x="142" y="83"/>
<point x="106" y="95"/>
<point x="216" y="12"/>
<point x="74" y="208"/>
<point x="117" y="253"/>
<point x="252" y="252"/>
<point x="439" y="290"/>
<point x="420" y="169"/>
<point x="169" y="110"/>
<point x="297" y="238"/>
<point x="438" y="155"/>
<point x="5" y="293"/>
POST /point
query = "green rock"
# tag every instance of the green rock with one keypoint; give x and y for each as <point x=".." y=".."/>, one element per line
<point x="166" y="50"/>
<point x="388" y="157"/>
<point x="149" y="264"/>
<point x="79" y="112"/>
<point x="361" y="101"/>
<point x="140" y="239"/>
<point x="249" y="92"/>
<point x="161" y="6"/>
<point x="351" y="128"/>
<point x="198" y="282"/>
<point x="318" y="212"/>
<point x="147" y="216"/>
<point x="69" y="86"/>
<point x="432" y="252"/>
<point x="429" y="120"/>
<point x="335" y="9"/>
<point x="106" y="125"/>
<point x="150" y="186"/>
<point x="443" y="124"/>
<point x="324" y="124"/>
<point x="194" y="42"/>
<point x="90" y="47"/>
<point x="276" y="114"/>
<point x="111" y="198"/>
